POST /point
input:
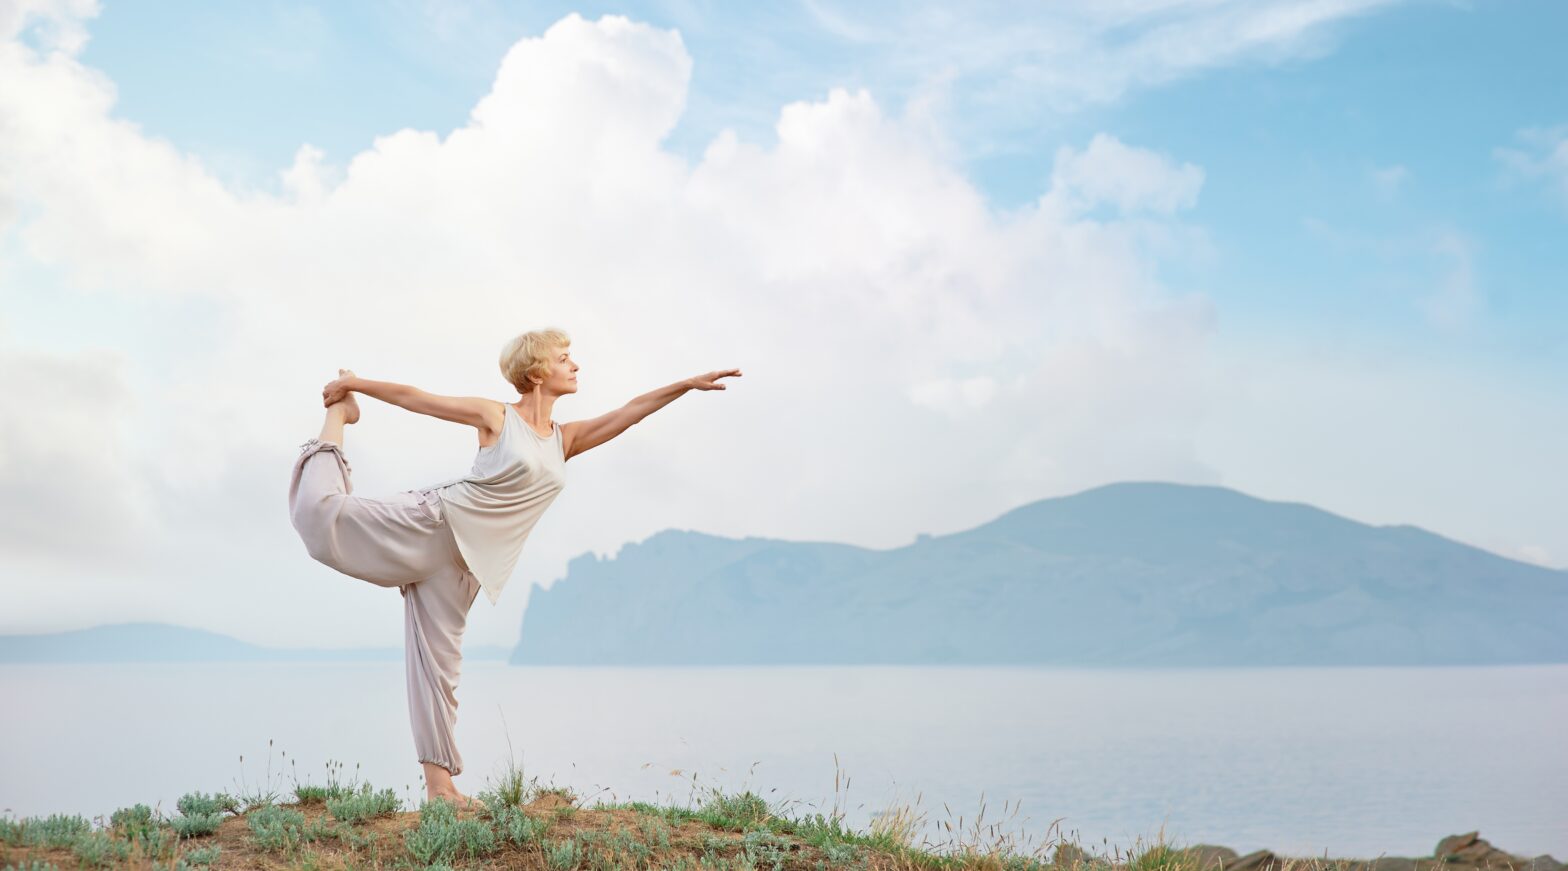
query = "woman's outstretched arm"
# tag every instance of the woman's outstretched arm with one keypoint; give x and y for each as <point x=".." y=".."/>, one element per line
<point x="580" y="435"/>
<point x="472" y="410"/>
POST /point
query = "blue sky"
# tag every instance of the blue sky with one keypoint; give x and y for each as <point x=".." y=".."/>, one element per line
<point x="1309" y="250"/>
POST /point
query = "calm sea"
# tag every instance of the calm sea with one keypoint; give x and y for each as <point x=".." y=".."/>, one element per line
<point x="1352" y="762"/>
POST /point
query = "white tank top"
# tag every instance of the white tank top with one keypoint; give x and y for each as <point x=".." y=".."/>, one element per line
<point x="492" y="509"/>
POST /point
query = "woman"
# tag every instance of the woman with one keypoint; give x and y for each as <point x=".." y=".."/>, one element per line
<point x="440" y="545"/>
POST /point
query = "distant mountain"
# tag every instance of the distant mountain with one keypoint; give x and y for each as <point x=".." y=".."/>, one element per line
<point x="162" y="642"/>
<point x="1128" y="574"/>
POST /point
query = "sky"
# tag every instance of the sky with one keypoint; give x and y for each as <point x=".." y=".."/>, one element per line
<point x="1312" y="250"/>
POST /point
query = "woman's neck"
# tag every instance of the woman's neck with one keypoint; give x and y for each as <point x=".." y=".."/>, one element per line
<point x="534" y="408"/>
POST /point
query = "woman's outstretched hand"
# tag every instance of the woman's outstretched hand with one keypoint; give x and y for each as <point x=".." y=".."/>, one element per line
<point x="336" y="390"/>
<point x="710" y="380"/>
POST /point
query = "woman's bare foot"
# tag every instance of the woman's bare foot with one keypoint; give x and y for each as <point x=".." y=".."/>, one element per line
<point x="438" y="784"/>
<point x="349" y="406"/>
<point x="454" y="798"/>
<point x="348" y="403"/>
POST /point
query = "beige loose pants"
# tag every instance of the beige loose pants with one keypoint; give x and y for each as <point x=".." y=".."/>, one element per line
<point x="400" y="541"/>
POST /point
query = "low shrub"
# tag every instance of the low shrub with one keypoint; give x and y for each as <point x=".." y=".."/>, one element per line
<point x="56" y="830"/>
<point x="275" y="828"/>
<point x="100" y="849"/>
<point x="195" y="825"/>
<point x="443" y="838"/>
<point x="197" y="803"/>
<point x="363" y="805"/>
<point x="201" y="857"/>
<point x="563" y="854"/>
<point x="132" y="821"/>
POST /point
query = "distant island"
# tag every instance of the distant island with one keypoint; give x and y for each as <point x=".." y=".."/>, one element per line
<point x="1125" y="575"/>
<point x="163" y="642"/>
<point x="1130" y="574"/>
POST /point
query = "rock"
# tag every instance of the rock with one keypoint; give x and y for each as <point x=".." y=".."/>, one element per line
<point x="1208" y="857"/>
<point x="1454" y="843"/>
<point x="1262" y="860"/>
<point x="1471" y="849"/>
<point x="1543" y="863"/>
<point x="1069" y="856"/>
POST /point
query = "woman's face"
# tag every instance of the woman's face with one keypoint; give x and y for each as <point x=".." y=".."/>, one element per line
<point x="563" y="372"/>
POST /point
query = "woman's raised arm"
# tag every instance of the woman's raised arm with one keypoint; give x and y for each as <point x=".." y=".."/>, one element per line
<point x="475" y="411"/>
<point x="580" y="435"/>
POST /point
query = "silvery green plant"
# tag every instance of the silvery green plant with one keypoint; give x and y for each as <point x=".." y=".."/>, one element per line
<point x="196" y="824"/>
<point x="156" y="842"/>
<point x="442" y="837"/>
<point x="655" y="832"/>
<point x="198" y="858"/>
<point x="133" y="821"/>
<point x="198" y="803"/>
<point x="11" y="832"/>
<point x="55" y="830"/>
<point x="100" y="849"/>
<point x="765" y="849"/>
<point x="563" y="854"/>
<point x="363" y="805"/>
<point x="520" y="828"/>
<point x="275" y="828"/>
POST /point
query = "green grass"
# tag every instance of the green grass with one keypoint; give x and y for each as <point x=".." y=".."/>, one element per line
<point x="329" y="827"/>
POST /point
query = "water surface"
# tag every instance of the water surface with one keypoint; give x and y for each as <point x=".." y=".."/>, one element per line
<point x="1354" y="762"/>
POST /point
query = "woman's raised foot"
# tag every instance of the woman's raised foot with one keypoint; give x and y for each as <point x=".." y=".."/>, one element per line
<point x="348" y="404"/>
<point x="454" y="798"/>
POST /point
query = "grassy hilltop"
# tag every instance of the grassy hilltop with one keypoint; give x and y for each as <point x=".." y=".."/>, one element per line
<point x="517" y="823"/>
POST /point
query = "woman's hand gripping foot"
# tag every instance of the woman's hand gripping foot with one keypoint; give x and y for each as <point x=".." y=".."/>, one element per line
<point x="340" y="394"/>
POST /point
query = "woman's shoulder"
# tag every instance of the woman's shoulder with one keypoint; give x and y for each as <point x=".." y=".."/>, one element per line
<point x="495" y="425"/>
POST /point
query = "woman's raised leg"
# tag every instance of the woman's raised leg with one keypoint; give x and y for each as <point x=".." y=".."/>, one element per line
<point x="344" y="411"/>
<point x="389" y="541"/>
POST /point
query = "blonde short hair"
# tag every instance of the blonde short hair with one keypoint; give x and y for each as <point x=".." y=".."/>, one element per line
<point x="529" y="355"/>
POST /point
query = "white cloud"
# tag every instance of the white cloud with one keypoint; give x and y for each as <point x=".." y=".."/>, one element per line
<point x="48" y="24"/>
<point x="1434" y="268"/>
<point x="1388" y="180"/>
<point x="1392" y="436"/>
<point x="954" y="396"/>
<point x="1019" y="68"/>
<point x="1130" y="179"/>
<point x="1543" y="157"/>
<point x="69" y="488"/>
<point x="1456" y="298"/>
<point x="887" y="319"/>
<point x="1534" y="553"/>
<point x="842" y="269"/>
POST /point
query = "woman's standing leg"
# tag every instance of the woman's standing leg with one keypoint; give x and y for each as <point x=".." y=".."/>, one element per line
<point x="435" y="613"/>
